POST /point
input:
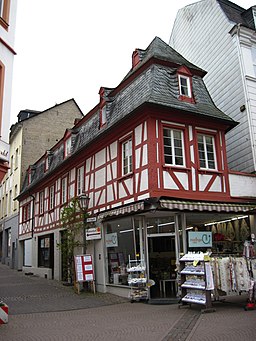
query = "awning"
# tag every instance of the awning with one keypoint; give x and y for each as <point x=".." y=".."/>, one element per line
<point x="122" y="210"/>
<point x="206" y="206"/>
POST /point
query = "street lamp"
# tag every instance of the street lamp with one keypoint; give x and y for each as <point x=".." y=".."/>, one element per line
<point x="83" y="201"/>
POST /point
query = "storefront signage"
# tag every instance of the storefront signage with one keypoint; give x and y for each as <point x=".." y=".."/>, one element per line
<point x="93" y="233"/>
<point x="200" y="239"/>
<point x="4" y="151"/>
<point x="111" y="240"/>
<point x="91" y="219"/>
<point x="84" y="268"/>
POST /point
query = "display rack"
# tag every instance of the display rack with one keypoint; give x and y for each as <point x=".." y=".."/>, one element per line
<point x="193" y="281"/>
<point x="137" y="280"/>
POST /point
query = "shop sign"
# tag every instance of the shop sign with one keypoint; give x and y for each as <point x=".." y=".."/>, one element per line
<point x="84" y="268"/>
<point x="200" y="239"/>
<point x="93" y="233"/>
<point x="4" y="151"/>
<point x="111" y="240"/>
<point x="91" y="219"/>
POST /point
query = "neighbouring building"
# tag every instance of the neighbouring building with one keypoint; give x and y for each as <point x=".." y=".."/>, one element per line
<point x="151" y="155"/>
<point x="33" y="134"/>
<point x="220" y="37"/>
<point x="8" y="9"/>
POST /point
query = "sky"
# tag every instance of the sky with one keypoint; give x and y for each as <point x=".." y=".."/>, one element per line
<point x="69" y="49"/>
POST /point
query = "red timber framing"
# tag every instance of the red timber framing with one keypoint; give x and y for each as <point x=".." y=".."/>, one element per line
<point x="150" y="176"/>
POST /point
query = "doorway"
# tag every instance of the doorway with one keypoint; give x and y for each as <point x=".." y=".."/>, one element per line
<point x="162" y="265"/>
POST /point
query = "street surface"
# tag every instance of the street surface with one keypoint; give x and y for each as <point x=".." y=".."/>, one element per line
<point x="41" y="309"/>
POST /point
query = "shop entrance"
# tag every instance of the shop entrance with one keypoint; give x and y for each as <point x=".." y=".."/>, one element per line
<point x="161" y="260"/>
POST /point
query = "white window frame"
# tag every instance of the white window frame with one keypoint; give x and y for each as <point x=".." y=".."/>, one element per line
<point x="68" y="146"/>
<point x="127" y="162"/>
<point x="64" y="190"/>
<point x="174" y="148"/>
<point x="103" y="116"/>
<point x="80" y="180"/>
<point x="41" y="202"/>
<point x="188" y="92"/>
<point x="51" y="197"/>
<point x="205" y="151"/>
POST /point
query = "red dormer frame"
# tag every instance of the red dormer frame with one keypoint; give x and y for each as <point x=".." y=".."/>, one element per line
<point x="184" y="72"/>
<point x="103" y="118"/>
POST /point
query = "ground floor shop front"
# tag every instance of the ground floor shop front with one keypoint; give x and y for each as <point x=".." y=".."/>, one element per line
<point x="140" y="246"/>
<point x="156" y="240"/>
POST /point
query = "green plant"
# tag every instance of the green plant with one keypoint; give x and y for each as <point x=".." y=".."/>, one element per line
<point x="73" y="225"/>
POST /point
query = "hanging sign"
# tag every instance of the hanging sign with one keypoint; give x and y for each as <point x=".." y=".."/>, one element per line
<point x="84" y="268"/>
<point x="199" y="239"/>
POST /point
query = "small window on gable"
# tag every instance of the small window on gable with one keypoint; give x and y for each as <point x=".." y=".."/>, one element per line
<point x="68" y="146"/>
<point x="46" y="164"/>
<point x="184" y="86"/>
<point x="103" y="116"/>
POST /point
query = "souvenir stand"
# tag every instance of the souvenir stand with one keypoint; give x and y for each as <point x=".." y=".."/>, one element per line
<point x="196" y="280"/>
<point x="137" y="280"/>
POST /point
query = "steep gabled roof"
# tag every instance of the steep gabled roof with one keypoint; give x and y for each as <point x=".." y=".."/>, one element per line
<point x="159" y="50"/>
<point x="153" y="81"/>
<point x="237" y="14"/>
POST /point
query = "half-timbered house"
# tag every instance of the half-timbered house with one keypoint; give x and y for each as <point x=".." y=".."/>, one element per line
<point x="151" y="156"/>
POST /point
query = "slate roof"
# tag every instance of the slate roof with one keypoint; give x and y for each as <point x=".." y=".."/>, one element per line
<point x="156" y="84"/>
<point x="237" y="14"/>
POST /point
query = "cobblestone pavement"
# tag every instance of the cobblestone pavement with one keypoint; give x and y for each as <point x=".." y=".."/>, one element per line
<point x="41" y="309"/>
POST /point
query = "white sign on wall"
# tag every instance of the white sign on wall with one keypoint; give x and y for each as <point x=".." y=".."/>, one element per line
<point x="111" y="240"/>
<point x="200" y="239"/>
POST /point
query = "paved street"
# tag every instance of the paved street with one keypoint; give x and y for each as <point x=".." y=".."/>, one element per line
<point x="41" y="309"/>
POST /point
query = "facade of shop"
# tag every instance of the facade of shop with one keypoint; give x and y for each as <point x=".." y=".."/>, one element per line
<point x="151" y="156"/>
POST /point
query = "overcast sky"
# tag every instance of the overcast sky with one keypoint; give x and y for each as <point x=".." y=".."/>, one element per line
<point x="69" y="49"/>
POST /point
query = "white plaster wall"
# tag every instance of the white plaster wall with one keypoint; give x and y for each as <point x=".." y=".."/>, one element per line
<point x="242" y="185"/>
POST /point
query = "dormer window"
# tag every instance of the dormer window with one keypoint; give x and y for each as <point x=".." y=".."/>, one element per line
<point x="103" y="116"/>
<point x="68" y="146"/>
<point x="184" y="86"/>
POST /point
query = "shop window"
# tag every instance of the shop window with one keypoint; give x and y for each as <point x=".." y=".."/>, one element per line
<point x="45" y="253"/>
<point x="173" y="147"/>
<point x="122" y="240"/>
<point x="206" y="150"/>
<point x="127" y="157"/>
<point x="80" y="180"/>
